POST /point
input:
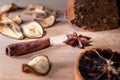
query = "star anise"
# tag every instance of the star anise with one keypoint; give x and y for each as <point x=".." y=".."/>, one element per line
<point x="77" y="40"/>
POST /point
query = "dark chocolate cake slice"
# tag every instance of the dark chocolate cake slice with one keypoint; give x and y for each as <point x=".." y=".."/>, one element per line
<point x="94" y="15"/>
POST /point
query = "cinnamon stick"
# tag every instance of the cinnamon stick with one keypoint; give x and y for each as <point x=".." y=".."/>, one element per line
<point x="22" y="48"/>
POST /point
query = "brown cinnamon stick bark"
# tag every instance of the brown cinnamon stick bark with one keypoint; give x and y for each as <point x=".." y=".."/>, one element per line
<point x="22" y="48"/>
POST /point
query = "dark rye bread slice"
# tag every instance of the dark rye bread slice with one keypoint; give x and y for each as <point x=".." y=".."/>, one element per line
<point x="94" y="15"/>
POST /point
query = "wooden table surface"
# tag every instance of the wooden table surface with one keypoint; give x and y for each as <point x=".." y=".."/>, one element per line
<point x="61" y="56"/>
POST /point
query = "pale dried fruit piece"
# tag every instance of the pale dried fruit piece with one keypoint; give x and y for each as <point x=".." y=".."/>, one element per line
<point x="17" y="19"/>
<point x="44" y="16"/>
<point x="32" y="30"/>
<point x="50" y="12"/>
<point x="97" y="64"/>
<point x="35" y="9"/>
<point x="11" y="29"/>
<point x="47" y="22"/>
<point x="8" y="7"/>
<point x="40" y="17"/>
<point x="39" y="65"/>
<point x="4" y="16"/>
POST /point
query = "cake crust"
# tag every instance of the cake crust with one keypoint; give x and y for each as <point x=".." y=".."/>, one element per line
<point x="70" y="10"/>
<point x="93" y="15"/>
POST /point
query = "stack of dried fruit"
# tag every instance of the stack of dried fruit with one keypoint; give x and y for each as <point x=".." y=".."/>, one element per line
<point x="14" y="27"/>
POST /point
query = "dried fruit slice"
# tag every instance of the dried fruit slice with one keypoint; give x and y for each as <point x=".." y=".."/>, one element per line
<point x="51" y="12"/>
<point x="8" y="7"/>
<point x="4" y="16"/>
<point x="35" y="9"/>
<point x="47" y="22"/>
<point x="17" y="19"/>
<point x="97" y="64"/>
<point x="11" y="29"/>
<point x="32" y="30"/>
<point x="39" y="65"/>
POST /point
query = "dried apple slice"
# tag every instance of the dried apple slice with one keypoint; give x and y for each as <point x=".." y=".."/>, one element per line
<point x="8" y="7"/>
<point x="11" y="29"/>
<point x="97" y="64"/>
<point x="35" y="9"/>
<point x="32" y="30"/>
<point x="47" y="22"/>
<point x="39" y="65"/>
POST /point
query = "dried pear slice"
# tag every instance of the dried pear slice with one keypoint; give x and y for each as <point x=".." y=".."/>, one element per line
<point x="11" y="29"/>
<point x="39" y="65"/>
<point x="8" y="7"/>
<point x="4" y="16"/>
<point x="17" y="19"/>
<point x="35" y="9"/>
<point x="97" y="64"/>
<point x="50" y="12"/>
<point x="47" y="22"/>
<point x="32" y="30"/>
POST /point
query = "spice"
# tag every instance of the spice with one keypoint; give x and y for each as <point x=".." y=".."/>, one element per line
<point x="21" y="48"/>
<point x="77" y="40"/>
